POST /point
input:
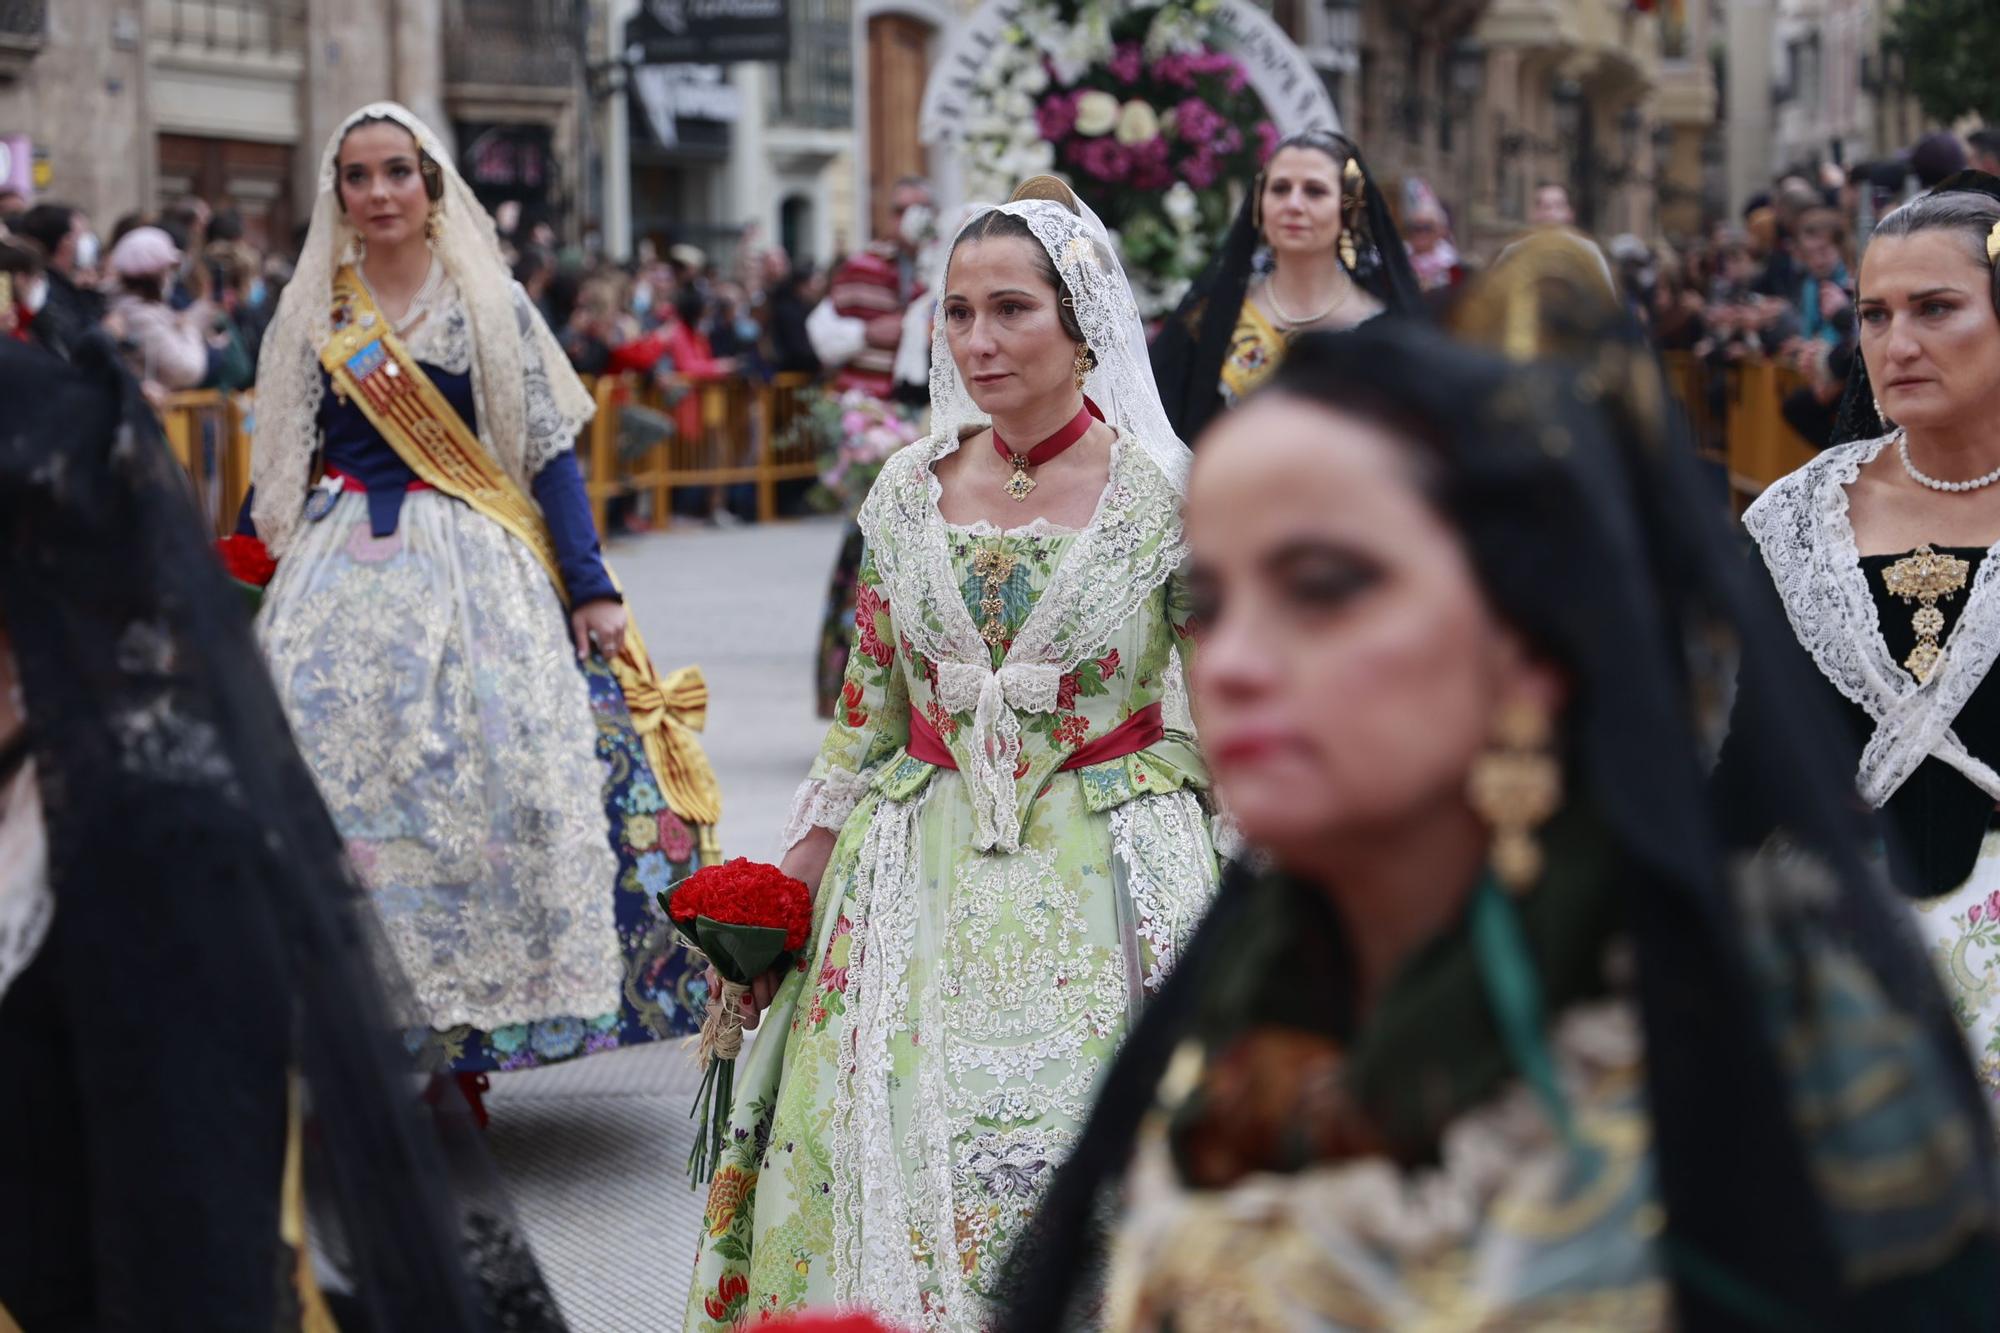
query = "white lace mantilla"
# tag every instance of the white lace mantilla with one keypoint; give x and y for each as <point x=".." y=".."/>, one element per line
<point x="1130" y="547"/>
<point x="1802" y="528"/>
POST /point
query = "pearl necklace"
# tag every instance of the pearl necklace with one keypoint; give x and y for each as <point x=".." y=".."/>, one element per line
<point x="1903" y="452"/>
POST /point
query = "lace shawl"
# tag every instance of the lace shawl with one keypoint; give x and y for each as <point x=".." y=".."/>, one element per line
<point x="530" y="403"/>
<point x="1801" y="527"/>
<point x="1131" y="546"/>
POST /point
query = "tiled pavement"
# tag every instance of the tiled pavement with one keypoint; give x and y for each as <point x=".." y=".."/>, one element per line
<point x="595" y="1152"/>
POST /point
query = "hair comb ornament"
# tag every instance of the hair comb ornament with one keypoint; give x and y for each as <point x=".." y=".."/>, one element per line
<point x="1993" y="245"/>
<point x="1052" y="188"/>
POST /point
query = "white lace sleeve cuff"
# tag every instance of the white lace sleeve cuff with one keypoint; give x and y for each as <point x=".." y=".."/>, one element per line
<point x="823" y="802"/>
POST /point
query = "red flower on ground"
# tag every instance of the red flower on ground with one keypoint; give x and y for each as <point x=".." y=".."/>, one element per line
<point x="246" y="559"/>
<point x="871" y="625"/>
<point x="743" y="892"/>
<point x="850" y="702"/>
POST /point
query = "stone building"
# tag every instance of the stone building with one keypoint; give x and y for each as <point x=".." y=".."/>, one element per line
<point x="131" y="103"/>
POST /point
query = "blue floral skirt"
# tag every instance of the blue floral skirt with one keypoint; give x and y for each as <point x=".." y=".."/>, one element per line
<point x="663" y="995"/>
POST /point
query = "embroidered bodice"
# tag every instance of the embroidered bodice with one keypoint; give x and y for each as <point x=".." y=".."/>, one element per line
<point x="1924" y="751"/>
<point x="1254" y="352"/>
<point x="1018" y="649"/>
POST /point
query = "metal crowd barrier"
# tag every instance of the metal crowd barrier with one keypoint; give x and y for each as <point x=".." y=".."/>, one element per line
<point x="722" y="432"/>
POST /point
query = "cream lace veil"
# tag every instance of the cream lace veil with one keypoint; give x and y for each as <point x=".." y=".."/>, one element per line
<point x="1122" y="384"/>
<point x="507" y="338"/>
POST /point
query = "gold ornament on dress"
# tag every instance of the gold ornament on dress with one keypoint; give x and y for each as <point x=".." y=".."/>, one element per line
<point x="1515" y="786"/>
<point x="995" y="566"/>
<point x="1924" y="576"/>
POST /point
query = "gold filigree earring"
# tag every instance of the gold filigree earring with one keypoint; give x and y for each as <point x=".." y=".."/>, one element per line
<point x="432" y="222"/>
<point x="1515" y="787"/>
<point x="1086" y="361"/>
<point x="1353" y="184"/>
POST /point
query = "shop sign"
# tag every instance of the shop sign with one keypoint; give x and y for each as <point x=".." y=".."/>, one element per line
<point x="708" y="32"/>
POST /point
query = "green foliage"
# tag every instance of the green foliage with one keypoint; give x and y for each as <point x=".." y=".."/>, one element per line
<point x="1948" y="49"/>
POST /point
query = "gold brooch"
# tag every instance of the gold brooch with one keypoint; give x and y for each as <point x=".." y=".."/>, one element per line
<point x="1923" y="576"/>
<point x="995" y="566"/>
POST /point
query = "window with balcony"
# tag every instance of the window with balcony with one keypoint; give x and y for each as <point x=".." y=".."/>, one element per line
<point x="514" y="43"/>
<point x="816" y="86"/>
<point x="230" y="27"/>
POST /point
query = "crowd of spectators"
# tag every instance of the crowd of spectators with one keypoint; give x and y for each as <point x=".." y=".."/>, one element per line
<point x="1777" y="283"/>
<point x="186" y="299"/>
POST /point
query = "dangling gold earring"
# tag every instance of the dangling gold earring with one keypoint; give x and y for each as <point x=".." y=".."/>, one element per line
<point x="1515" y="787"/>
<point x="1352" y="185"/>
<point x="1086" y="361"/>
<point x="432" y="223"/>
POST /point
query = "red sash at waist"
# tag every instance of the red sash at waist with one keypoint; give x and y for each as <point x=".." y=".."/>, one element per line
<point x="350" y="482"/>
<point x="1135" y="733"/>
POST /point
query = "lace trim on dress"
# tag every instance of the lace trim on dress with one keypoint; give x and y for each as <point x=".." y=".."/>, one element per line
<point x="26" y="905"/>
<point x="1802" y="529"/>
<point x="823" y="802"/>
<point x="1040" y="527"/>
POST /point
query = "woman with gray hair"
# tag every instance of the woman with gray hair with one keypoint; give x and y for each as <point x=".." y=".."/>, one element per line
<point x="1883" y="551"/>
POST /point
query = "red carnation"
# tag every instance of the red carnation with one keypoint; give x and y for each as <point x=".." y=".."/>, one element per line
<point x="246" y="559"/>
<point x="748" y="918"/>
<point x="743" y="892"/>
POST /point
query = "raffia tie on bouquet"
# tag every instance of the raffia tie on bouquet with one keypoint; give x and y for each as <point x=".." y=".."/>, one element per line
<point x="721" y="1035"/>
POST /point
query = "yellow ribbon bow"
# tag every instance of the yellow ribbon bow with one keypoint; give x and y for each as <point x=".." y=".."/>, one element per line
<point x="667" y="711"/>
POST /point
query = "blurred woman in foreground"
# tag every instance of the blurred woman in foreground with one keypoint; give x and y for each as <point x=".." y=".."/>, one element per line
<point x="1499" y="1025"/>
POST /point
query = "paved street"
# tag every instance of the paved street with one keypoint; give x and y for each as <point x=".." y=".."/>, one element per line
<point x="596" y="1151"/>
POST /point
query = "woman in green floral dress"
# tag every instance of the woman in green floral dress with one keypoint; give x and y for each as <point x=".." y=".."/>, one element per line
<point x="1007" y="824"/>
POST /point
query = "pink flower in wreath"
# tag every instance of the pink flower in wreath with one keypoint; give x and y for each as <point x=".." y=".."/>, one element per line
<point x="1127" y="62"/>
<point x="1267" y="140"/>
<point x="1201" y="169"/>
<point x="1056" y="116"/>
<point x="871" y="619"/>
<point x="1198" y="123"/>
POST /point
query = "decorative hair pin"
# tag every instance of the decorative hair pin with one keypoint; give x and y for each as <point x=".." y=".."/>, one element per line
<point x="1993" y="245"/>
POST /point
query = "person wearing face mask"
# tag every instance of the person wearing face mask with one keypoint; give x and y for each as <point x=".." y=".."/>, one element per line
<point x="71" y="309"/>
<point x="1883" y="553"/>
<point x="24" y="290"/>
<point x="1004" y="833"/>
<point x="1313" y="246"/>
<point x="513" y="779"/>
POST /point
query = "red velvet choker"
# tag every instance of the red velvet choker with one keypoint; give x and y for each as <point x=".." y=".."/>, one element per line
<point x="1021" y="483"/>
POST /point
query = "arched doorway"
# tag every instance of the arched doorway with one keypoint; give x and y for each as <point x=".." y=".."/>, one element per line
<point x="795" y="228"/>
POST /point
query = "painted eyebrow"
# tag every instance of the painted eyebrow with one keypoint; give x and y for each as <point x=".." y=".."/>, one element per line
<point x="1924" y="295"/>
<point x="1010" y="291"/>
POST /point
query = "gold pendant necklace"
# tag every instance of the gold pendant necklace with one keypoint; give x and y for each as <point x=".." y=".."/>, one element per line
<point x="1923" y="576"/>
<point x="996" y="566"/>
<point x="1020" y="483"/>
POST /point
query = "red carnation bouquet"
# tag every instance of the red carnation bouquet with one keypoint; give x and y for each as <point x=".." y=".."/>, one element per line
<point x="249" y="565"/>
<point x="748" y="918"/>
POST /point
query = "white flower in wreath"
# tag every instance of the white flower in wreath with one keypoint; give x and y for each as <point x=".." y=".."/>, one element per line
<point x="1016" y="104"/>
<point x="1096" y="113"/>
<point x="1137" y="123"/>
<point x="1180" y="205"/>
<point x="1033" y="79"/>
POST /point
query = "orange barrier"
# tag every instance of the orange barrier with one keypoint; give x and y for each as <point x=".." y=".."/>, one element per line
<point x="208" y="433"/>
<point x="727" y="432"/>
<point x="1752" y="436"/>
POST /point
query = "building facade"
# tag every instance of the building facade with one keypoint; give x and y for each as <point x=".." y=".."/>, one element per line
<point x="130" y="104"/>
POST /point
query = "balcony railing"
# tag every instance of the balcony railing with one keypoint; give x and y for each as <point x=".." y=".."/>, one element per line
<point x="240" y="27"/>
<point x="816" y="86"/>
<point x="530" y="43"/>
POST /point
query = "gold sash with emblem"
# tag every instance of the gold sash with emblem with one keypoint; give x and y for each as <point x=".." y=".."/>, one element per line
<point x="372" y="369"/>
